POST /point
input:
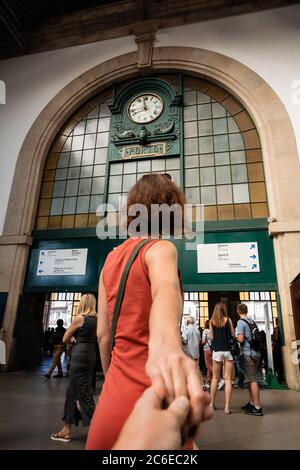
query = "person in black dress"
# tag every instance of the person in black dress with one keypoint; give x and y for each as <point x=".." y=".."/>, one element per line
<point x="79" y="402"/>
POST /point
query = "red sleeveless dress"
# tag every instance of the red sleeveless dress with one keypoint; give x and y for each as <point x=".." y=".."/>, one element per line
<point x="125" y="380"/>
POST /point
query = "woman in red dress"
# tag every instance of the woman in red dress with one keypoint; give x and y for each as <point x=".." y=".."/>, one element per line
<point x="147" y="349"/>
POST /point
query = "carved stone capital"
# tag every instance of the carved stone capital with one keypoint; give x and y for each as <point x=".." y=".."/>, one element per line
<point x="145" y="43"/>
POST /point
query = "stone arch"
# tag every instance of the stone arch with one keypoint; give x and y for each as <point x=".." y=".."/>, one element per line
<point x="279" y="148"/>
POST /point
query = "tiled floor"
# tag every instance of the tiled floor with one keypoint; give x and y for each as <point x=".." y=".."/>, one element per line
<point x="31" y="408"/>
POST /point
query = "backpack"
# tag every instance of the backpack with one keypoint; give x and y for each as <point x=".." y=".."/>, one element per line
<point x="256" y="338"/>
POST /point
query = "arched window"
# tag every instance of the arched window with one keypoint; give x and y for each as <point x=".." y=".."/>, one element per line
<point x="222" y="163"/>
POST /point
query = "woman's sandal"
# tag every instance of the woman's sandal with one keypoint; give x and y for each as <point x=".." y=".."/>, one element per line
<point x="60" y="436"/>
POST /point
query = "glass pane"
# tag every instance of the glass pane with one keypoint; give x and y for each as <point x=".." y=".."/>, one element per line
<point x="85" y="186"/>
<point x="56" y="206"/>
<point x="190" y="129"/>
<point x="67" y="144"/>
<point x="98" y="185"/>
<point x="236" y="142"/>
<point x="238" y="157"/>
<point x="222" y="158"/>
<point x="95" y="202"/>
<point x="144" y="166"/>
<point x="63" y="160"/>
<point x="218" y="110"/>
<point x="103" y="124"/>
<point x="208" y="195"/>
<point x="59" y="189"/>
<point x="116" y="168"/>
<point x="115" y="184"/>
<point x="80" y="128"/>
<point x="224" y="194"/>
<point x="175" y="176"/>
<point x="206" y="144"/>
<point x="189" y="97"/>
<point x="86" y="171"/>
<point x="191" y="178"/>
<point x="192" y="195"/>
<point x="128" y="181"/>
<point x="191" y="161"/>
<point x="104" y="110"/>
<point x="72" y="188"/>
<point x="221" y="143"/>
<point x="99" y="170"/>
<point x="83" y="204"/>
<point x="77" y="142"/>
<point x="129" y="167"/>
<point x="100" y="155"/>
<point x="70" y="205"/>
<point x="240" y="193"/>
<point x="223" y="174"/>
<point x="190" y="113"/>
<point x="158" y="165"/>
<point x="239" y="173"/>
<point x="94" y="113"/>
<point x="190" y="146"/>
<point x="75" y="158"/>
<point x="73" y="172"/>
<point x="87" y="157"/>
<point x="206" y="160"/>
<point x="207" y="176"/>
<point x="202" y="98"/>
<point x="232" y="125"/>
<point x="102" y="139"/>
<point x="172" y="163"/>
<point x="205" y="127"/>
<point x="204" y="111"/>
<point x="220" y="126"/>
<point x="115" y="200"/>
<point x="61" y="174"/>
<point x="91" y="126"/>
<point x="90" y="141"/>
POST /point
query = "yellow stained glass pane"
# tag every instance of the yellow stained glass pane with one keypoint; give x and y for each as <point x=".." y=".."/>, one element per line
<point x="219" y="94"/>
<point x="232" y="105"/>
<point x="205" y="295"/>
<point x="273" y="295"/>
<point x="47" y="188"/>
<point x="41" y="223"/>
<point x="210" y="213"/>
<point x="81" y="220"/>
<point x="254" y="155"/>
<point x="242" y="211"/>
<point x="225" y="212"/>
<point x="242" y="295"/>
<point x="67" y="221"/>
<point x="49" y="175"/>
<point x="54" y="296"/>
<point x="258" y="192"/>
<point x="259" y="209"/>
<point x="251" y="139"/>
<point x="52" y="159"/>
<point x="54" y="221"/>
<point x="255" y="172"/>
<point x="44" y="207"/>
<point x="244" y="121"/>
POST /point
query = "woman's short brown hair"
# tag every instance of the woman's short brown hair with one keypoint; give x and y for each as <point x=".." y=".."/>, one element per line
<point x="151" y="191"/>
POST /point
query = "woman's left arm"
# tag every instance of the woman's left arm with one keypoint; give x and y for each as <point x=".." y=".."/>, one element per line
<point x="75" y="325"/>
<point x="171" y="372"/>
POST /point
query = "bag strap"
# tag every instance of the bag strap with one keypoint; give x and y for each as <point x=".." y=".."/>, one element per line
<point x="249" y="324"/>
<point x="121" y="290"/>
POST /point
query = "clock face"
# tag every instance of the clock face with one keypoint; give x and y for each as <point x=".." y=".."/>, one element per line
<point x="145" y="108"/>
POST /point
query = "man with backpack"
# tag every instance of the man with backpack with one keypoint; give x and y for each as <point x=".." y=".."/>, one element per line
<point x="249" y="336"/>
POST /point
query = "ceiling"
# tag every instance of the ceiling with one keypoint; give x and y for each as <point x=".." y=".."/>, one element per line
<point x="30" y="26"/>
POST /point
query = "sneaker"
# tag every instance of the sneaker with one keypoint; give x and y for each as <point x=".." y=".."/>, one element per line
<point x="221" y="384"/>
<point x="247" y="407"/>
<point x="47" y="376"/>
<point x="254" y="412"/>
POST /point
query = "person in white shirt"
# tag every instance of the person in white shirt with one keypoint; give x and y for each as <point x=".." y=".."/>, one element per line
<point x="191" y="339"/>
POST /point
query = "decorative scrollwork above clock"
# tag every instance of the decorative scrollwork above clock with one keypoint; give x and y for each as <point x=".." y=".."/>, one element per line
<point x="145" y="113"/>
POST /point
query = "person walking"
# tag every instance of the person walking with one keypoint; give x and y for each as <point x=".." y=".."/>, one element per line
<point x="206" y="341"/>
<point x="146" y="345"/>
<point x="191" y="339"/>
<point x="251" y="361"/>
<point x="59" y="348"/>
<point x="277" y="354"/>
<point x="221" y="331"/>
<point x="79" y="402"/>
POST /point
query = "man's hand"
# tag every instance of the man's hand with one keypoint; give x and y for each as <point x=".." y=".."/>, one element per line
<point x="173" y="375"/>
<point x="151" y="427"/>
